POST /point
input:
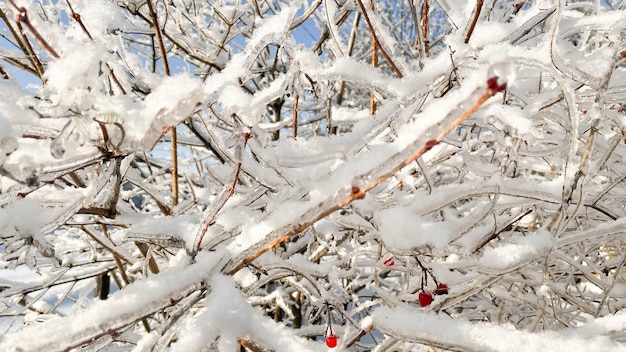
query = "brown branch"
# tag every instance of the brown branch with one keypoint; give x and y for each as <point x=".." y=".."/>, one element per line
<point x="115" y="80"/>
<point x="77" y="18"/>
<point x="424" y="23"/>
<point x="356" y="193"/>
<point x="174" y="166"/>
<point x="371" y="26"/>
<point x="479" y="6"/>
<point x="159" y="37"/>
<point x="294" y="133"/>
<point x="374" y="50"/>
<point x="251" y="345"/>
<point x="22" y="17"/>
<point x="21" y="45"/>
<point x="355" y="25"/>
<point x="31" y="53"/>
<point x="230" y="191"/>
<point x="6" y="21"/>
<point x="166" y="69"/>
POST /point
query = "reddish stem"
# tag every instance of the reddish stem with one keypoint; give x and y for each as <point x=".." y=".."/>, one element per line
<point x="22" y="17"/>
<point x="479" y="6"/>
<point x="425" y="10"/>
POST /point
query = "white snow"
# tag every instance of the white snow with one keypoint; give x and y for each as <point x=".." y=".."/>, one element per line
<point x="510" y="256"/>
<point x="514" y="200"/>
<point x="455" y="334"/>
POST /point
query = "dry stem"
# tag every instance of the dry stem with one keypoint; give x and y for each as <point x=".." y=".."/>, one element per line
<point x="470" y="30"/>
<point x="355" y="25"/>
<point x="22" y="17"/>
<point x="296" y="98"/>
<point x="166" y="69"/>
<point x="375" y="37"/>
<point x="78" y="19"/>
<point x="424" y="23"/>
<point x="374" y="64"/>
<point x="230" y="191"/>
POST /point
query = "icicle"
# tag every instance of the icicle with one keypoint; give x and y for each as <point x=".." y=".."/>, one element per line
<point x="59" y="143"/>
<point x="57" y="147"/>
<point x="7" y="146"/>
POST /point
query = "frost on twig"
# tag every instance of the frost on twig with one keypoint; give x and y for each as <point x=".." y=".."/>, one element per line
<point x="479" y="206"/>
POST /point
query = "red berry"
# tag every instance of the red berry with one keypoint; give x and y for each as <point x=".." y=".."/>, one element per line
<point x="442" y="289"/>
<point x="500" y="88"/>
<point x="331" y="340"/>
<point x="425" y="298"/>
<point x="355" y="189"/>
<point x="492" y="82"/>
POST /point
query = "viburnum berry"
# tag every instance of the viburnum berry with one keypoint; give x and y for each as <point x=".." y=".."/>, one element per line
<point x="442" y="289"/>
<point x="492" y="83"/>
<point x="331" y="340"/>
<point x="425" y="298"/>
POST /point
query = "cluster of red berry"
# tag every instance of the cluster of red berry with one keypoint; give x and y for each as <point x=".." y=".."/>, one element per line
<point x="426" y="298"/>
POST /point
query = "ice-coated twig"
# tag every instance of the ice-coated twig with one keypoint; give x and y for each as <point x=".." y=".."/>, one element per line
<point x="22" y="17"/>
<point x="355" y="25"/>
<point x="472" y="25"/>
<point x="296" y="99"/>
<point x="166" y="69"/>
<point x="424" y="25"/>
<point x="375" y="37"/>
<point x="218" y="204"/>
<point x="356" y="193"/>
<point x="78" y="19"/>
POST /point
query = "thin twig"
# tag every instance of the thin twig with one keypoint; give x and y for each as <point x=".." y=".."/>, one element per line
<point x="355" y="25"/>
<point x="22" y="17"/>
<point x="470" y="30"/>
<point x="371" y="26"/>
<point x="174" y="144"/>
<point x="115" y="80"/>
<point x="374" y="64"/>
<point x="424" y="23"/>
<point x="31" y="53"/>
<point x="159" y="37"/>
<point x="166" y="69"/>
<point x="78" y="19"/>
<point x="17" y="38"/>
<point x="296" y="98"/>
<point x="216" y="209"/>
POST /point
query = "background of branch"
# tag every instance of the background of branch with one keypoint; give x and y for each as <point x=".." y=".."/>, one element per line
<point x="255" y="176"/>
